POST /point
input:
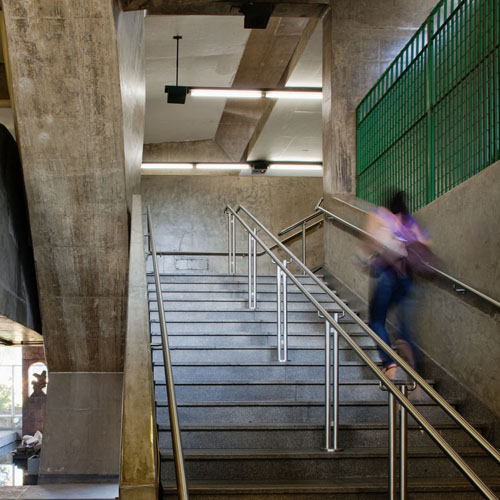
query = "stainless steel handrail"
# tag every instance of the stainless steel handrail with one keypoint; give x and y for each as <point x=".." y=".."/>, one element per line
<point x="243" y="254"/>
<point x="389" y="384"/>
<point x="299" y="223"/>
<point x="455" y="281"/>
<point x="180" y="472"/>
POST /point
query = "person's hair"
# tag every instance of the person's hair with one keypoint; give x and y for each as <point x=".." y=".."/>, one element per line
<point x="397" y="203"/>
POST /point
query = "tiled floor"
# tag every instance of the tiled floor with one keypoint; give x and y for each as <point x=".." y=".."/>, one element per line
<point x="61" y="492"/>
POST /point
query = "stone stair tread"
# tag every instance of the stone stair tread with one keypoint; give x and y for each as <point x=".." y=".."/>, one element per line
<point x="256" y="363"/>
<point x="346" y="485"/>
<point x="303" y="426"/>
<point x="164" y="403"/>
<point x="373" y="452"/>
<point x="282" y="382"/>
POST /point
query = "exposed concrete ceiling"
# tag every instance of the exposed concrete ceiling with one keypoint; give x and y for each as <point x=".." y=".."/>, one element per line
<point x="217" y="51"/>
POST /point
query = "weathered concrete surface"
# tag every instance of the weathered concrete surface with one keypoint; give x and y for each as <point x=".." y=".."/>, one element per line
<point x="66" y="90"/>
<point x="360" y="39"/>
<point x="18" y="291"/>
<point x="458" y="332"/>
<point x="287" y="8"/>
<point x="138" y="455"/>
<point x="188" y="215"/>
<point x="130" y="39"/>
<point x="264" y="62"/>
<point x="187" y="151"/>
<point x="82" y="428"/>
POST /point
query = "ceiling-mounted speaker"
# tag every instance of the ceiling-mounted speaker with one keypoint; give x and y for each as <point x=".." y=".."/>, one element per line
<point x="256" y="15"/>
<point x="176" y="94"/>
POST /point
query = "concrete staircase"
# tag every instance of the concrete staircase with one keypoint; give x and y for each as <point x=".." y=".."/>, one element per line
<point x="252" y="428"/>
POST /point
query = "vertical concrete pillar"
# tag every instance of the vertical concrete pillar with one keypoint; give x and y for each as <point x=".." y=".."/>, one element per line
<point x="78" y="91"/>
<point x="360" y="39"/>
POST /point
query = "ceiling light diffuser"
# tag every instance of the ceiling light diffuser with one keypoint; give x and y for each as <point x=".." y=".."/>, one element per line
<point x="169" y="166"/>
<point x="296" y="95"/>
<point x="296" y="166"/>
<point x="227" y="93"/>
<point x="222" y="166"/>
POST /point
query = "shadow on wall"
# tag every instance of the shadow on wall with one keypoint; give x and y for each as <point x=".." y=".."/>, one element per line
<point x="18" y="288"/>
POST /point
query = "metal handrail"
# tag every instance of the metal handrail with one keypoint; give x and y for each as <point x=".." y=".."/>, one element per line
<point x="299" y="223"/>
<point x="455" y="281"/>
<point x="243" y="254"/>
<point x="180" y="471"/>
<point x="453" y="455"/>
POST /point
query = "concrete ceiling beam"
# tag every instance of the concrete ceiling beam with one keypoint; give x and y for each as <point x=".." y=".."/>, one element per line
<point x="288" y="8"/>
<point x="267" y="62"/>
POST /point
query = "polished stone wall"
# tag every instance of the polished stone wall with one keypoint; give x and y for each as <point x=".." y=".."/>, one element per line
<point x="18" y="290"/>
<point x="188" y="215"/>
<point x="360" y="40"/>
<point x="458" y="332"/>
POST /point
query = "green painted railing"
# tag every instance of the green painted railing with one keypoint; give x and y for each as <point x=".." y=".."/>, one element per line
<point x="432" y="120"/>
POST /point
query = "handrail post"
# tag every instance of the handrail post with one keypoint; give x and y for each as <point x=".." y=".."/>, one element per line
<point x="252" y="270"/>
<point x="403" y="447"/>
<point x="231" y="244"/>
<point x="254" y="242"/>
<point x="180" y="472"/>
<point x="282" y="315"/>
<point x="392" y="446"/>
<point x="304" y="245"/>
<point x="331" y="436"/>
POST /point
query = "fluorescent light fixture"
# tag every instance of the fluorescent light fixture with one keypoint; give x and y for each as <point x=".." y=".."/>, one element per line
<point x="296" y="166"/>
<point x="240" y="94"/>
<point x="296" y="95"/>
<point x="222" y="166"/>
<point x="167" y="166"/>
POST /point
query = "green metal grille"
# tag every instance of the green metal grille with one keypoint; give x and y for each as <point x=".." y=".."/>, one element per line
<point x="432" y="120"/>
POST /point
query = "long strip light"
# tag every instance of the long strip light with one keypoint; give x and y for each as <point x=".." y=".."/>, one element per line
<point x="296" y="166"/>
<point x="286" y="93"/>
<point x="169" y="166"/>
<point x="222" y="166"/>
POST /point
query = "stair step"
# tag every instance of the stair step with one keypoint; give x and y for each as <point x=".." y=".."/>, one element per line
<point x="240" y="306"/>
<point x="300" y="436"/>
<point x="243" y="339"/>
<point x="224" y="296"/>
<point x="268" y="327"/>
<point x="230" y="287"/>
<point x="267" y="354"/>
<point x="213" y="371"/>
<point x="274" y="390"/>
<point x="240" y="412"/>
<point x="223" y="278"/>
<point x="420" y="488"/>
<point x="317" y="464"/>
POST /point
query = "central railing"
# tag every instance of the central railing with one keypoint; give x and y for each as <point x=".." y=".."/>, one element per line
<point x="332" y="327"/>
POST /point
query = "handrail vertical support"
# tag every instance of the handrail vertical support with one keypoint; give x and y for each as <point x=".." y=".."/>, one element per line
<point x="304" y="245"/>
<point x="231" y="244"/>
<point x="328" y="404"/>
<point x="282" y="313"/>
<point x="336" y="389"/>
<point x="403" y="447"/>
<point x="252" y="270"/>
<point x="392" y="446"/>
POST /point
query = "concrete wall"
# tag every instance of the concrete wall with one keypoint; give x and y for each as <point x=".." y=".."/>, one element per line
<point x="360" y="40"/>
<point x="130" y="41"/>
<point x="188" y="215"/>
<point x="18" y="291"/>
<point x="458" y="332"/>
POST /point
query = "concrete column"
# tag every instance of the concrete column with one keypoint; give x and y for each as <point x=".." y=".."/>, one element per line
<point x="360" y="39"/>
<point x="67" y="98"/>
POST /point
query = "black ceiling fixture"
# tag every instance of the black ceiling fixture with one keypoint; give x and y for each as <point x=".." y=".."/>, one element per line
<point x="256" y="14"/>
<point x="259" y="166"/>
<point x="176" y="94"/>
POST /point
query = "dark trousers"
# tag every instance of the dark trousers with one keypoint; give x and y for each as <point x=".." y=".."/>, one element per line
<point x="391" y="290"/>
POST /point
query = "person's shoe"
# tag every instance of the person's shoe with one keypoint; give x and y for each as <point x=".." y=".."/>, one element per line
<point x="405" y="351"/>
<point x="390" y="371"/>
